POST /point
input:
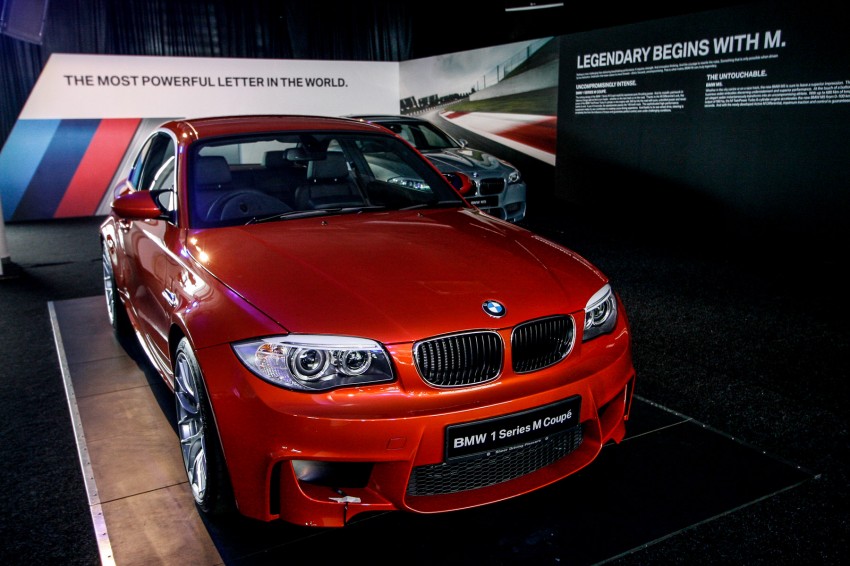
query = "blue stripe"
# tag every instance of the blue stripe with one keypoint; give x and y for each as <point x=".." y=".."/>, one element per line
<point x="57" y="168"/>
<point x="20" y="157"/>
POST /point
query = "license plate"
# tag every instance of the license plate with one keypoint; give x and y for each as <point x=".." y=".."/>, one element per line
<point x="511" y="431"/>
<point x="484" y="202"/>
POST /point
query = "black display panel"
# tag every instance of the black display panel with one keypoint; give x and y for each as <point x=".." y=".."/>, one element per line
<point x="736" y="118"/>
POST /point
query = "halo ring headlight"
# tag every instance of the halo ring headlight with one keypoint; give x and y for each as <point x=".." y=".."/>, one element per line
<point x="309" y="364"/>
<point x="313" y="362"/>
<point x="600" y="313"/>
<point x="355" y="362"/>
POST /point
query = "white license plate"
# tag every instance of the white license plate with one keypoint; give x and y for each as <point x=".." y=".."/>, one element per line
<point x="512" y="431"/>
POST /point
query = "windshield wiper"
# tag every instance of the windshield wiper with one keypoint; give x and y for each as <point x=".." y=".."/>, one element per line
<point x="287" y="214"/>
<point x="313" y="212"/>
<point x="433" y="204"/>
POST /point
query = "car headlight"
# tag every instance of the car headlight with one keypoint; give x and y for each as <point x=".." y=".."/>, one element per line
<point x="513" y="176"/>
<point x="600" y="314"/>
<point x="315" y="363"/>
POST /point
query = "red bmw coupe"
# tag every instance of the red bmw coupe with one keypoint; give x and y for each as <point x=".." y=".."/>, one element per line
<point x="344" y="333"/>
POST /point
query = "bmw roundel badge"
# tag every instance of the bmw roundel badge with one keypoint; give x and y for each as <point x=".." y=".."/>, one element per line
<point x="494" y="308"/>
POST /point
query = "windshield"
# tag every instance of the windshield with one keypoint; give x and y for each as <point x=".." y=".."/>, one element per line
<point x="278" y="177"/>
<point x="424" y="136"/>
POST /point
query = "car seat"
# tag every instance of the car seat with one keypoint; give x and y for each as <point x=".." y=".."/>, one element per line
<point x="329" y="185"/>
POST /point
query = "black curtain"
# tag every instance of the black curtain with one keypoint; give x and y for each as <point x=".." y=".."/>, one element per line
<point x="366" y="30"/>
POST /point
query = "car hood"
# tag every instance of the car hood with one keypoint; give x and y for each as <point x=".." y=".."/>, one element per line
<point x="395" y="276"/>
<point x="465" y="160"/>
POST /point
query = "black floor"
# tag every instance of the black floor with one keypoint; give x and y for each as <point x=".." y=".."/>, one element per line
<point x="740" y="353"/>
<point x="616" y="506"/>
<point x="125" y="429"/>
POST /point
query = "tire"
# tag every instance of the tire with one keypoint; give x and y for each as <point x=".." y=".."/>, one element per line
<point x="114" y="307"/>
<point x="203" y="458"/>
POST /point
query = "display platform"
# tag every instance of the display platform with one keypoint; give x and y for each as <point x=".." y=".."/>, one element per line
<point x="669" y="474"/>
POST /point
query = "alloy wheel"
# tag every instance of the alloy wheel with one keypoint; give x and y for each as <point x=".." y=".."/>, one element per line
<point x="190" y="426"/>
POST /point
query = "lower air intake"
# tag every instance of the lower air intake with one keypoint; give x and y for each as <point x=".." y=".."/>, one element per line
<point x="494" y="467"/>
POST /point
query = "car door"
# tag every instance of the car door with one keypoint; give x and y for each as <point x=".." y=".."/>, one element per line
<point x="147" y="245"/>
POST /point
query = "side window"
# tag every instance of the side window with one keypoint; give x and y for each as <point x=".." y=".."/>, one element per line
<point x="432" y="139"/>
<point x="136" y="171"/>
<point x="163" y="186"/>
<point x="157" y="173"/>
<point x="407" y="133"/>
<point x="161" y="149"/>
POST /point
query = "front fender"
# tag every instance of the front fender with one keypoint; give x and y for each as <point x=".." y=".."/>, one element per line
<point x="210" y="313"/>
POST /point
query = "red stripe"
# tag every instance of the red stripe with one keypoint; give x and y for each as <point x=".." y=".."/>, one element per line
<point x="541" y="135"/>
<point x="97" y="167"/>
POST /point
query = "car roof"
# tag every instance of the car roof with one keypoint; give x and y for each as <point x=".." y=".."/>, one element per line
<point x="385" y="118"/>
<point x="214" y="126"/>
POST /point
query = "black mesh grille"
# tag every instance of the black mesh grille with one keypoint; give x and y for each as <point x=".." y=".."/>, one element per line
<point x="497" y="212"/>
<point x="492" y="468"/>
<point x="491" y="186"/>
<point x="540" y="343"/>
<point x="460" y="359"/>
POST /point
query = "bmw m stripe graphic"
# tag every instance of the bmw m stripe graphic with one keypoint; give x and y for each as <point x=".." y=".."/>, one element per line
<point x="61" y="168"/>
<point x="22" y="152"/>
<point x="97" y="167"/>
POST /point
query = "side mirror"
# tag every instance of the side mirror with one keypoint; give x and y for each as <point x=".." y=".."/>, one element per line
<point x="165" y="200"/>
<point x="122" y="188"/>
<point x="460" y="181"/>
<point x="137" y="205"/>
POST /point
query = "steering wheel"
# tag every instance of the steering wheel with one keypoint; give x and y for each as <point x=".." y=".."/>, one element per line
<point x="243" y="203"/>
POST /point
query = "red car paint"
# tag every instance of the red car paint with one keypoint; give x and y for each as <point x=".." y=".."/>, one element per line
<point x="394" y="276"/>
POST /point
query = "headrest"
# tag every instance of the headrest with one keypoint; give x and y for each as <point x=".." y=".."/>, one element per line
<point x="212" y="170"/>
<point x="276" y="159"/>
<point x="333" y="166"/>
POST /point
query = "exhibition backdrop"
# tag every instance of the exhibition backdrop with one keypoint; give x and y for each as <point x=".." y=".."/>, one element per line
<point x="744" y="111"/>
<point x="507" y="94"/>
<point x="87" y="113"/>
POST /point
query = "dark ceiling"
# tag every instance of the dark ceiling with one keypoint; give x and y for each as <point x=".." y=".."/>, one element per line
<point x="444" y="26"/>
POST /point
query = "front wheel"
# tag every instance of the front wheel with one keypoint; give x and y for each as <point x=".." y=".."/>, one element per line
<point x="114" y="307"/>
<point x="203" y="458"/>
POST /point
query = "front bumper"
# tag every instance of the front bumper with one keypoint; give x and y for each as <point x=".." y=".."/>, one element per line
<point x="508" y="205"/>
<point x="321" y="459"/>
